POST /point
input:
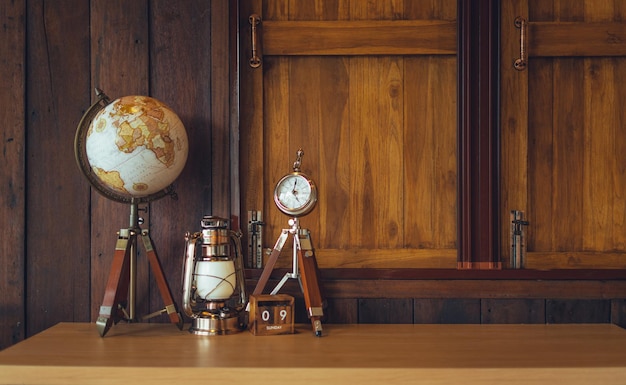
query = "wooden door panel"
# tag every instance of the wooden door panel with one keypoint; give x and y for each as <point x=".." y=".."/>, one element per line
<point x="370" y="95"/>
<point x="571" y="97"/>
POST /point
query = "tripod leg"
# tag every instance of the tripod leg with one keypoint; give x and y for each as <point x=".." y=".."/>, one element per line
<point x="310" y="283"/>
<point x="265" y="275"/>
<point x="166" y="294"/>
<point x="117" y="284"/>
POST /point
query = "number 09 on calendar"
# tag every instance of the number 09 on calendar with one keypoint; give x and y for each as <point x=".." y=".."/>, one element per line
<point x="271" y="314"/>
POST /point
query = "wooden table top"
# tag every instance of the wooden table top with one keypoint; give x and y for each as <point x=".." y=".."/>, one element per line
<point x="364" y="354"/>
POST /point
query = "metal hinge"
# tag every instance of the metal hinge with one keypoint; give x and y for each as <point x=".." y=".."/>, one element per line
<point x="518" y="244"/>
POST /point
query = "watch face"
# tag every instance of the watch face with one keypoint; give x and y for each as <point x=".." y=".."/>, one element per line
<point x="295" y="194"/>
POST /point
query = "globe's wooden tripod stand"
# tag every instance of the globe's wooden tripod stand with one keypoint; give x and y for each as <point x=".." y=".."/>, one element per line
<point x="119" y="297"/>
<point x="304" y="270"/>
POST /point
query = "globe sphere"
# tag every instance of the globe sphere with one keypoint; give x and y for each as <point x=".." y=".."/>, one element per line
<point x="136" y="146"/>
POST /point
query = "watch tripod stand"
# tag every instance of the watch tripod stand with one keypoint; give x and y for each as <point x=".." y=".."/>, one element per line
<point x="119" y="296"/>
<point x="304" y="269"/>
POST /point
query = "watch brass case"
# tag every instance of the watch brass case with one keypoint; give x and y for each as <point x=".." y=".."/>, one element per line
<point x="307" y="207"/>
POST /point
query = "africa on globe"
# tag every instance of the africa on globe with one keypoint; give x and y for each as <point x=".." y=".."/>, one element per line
<point x="136" y="146"/>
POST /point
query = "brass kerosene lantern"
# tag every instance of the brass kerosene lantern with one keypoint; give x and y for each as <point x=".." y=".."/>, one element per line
<point x="213" y="280"/>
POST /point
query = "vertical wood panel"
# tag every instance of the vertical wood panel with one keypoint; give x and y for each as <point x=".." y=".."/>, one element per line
<point x="57" y="219"/>
<point x="619" y="168"/>
<point x="376" y="121"/>
<point x="119" y="30"/>
<point x="575" y="165"/>
<point x="514" y="137"/>
<point x="386" y="311"/>
<point x="335" y="154"/>
<point x="306" y="107"/>
<point x="578" y="311"/>
<point x="568" y="166"/>
<point x="275" y="128"/>
<point x="602" y="130"/>
<point x="341" y="311"/>
<point x="362" y="181"/>
<point x="180" y="76"/>
<point x="391" y="154"/>
<point x="376" y="154"/>
<point x="218" y="45"/>
<point x="447" y="311"/>
<point x="276" y="142"/>
<point x="618" y="312"/>
<point x="251" y="168"/>
<point x="599" y="133"/>
<point x="421" y="111"/>
<point x="526" y="311"/>
<point x="12" y="181"/>
<point x="430" y="152"/>
<point x="541" y="156"/>
<point x="304" y="110"/>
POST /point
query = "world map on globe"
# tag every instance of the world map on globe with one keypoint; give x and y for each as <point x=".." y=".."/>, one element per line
<point x="136" y="146"/>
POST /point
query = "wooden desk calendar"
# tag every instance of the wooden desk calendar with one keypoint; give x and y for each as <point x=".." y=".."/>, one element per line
<point x="271" y="314"/>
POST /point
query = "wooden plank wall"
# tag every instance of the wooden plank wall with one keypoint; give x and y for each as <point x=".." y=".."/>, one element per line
<point x="12" y="166"/>
<point x="58" y="237"/>
<point x="441" y="296"/>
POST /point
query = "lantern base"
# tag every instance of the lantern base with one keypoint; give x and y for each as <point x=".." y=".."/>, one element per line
<point x="215" y="325"/>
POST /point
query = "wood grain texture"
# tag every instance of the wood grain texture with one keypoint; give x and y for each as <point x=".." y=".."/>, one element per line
<point x="577" y="38"/>
<point x="507" y="311"/>
<point x="361" y="121"/>
<point x="57" y="195"/>
<point x="575" y="168"/>
<point x="472" y="289"/>
<point x="578" y="311"/>
<point x="385" y="311"/>
<point x="367" y="354"/>
<point x="341" y="310"/>
<point x="576" y="260"/>
<point x="446" y="311"/>
<point x="110" y="41"/>
<point x="12" y="174"/>
<point x="179" y="31"/>
<point x="514" y="127"/>
<point x="378" y="37"/>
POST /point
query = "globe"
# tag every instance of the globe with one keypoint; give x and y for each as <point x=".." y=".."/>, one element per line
<point x="136" y="146"/>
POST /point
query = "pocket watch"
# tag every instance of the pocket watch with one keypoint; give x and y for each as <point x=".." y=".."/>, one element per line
<point x="295" y="194"/>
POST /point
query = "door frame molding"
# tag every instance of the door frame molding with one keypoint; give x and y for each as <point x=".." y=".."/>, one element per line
<point x="478" y="57"/>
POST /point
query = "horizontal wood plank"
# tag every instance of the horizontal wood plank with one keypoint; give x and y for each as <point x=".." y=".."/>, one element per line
<point x="463" y="288"/>
<point x="397" y="37"/>
<point x="575" y="260"/>
<point x="404" y="258"/>
<point x="377" y="258"/>
<point x="576" y="39"/>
